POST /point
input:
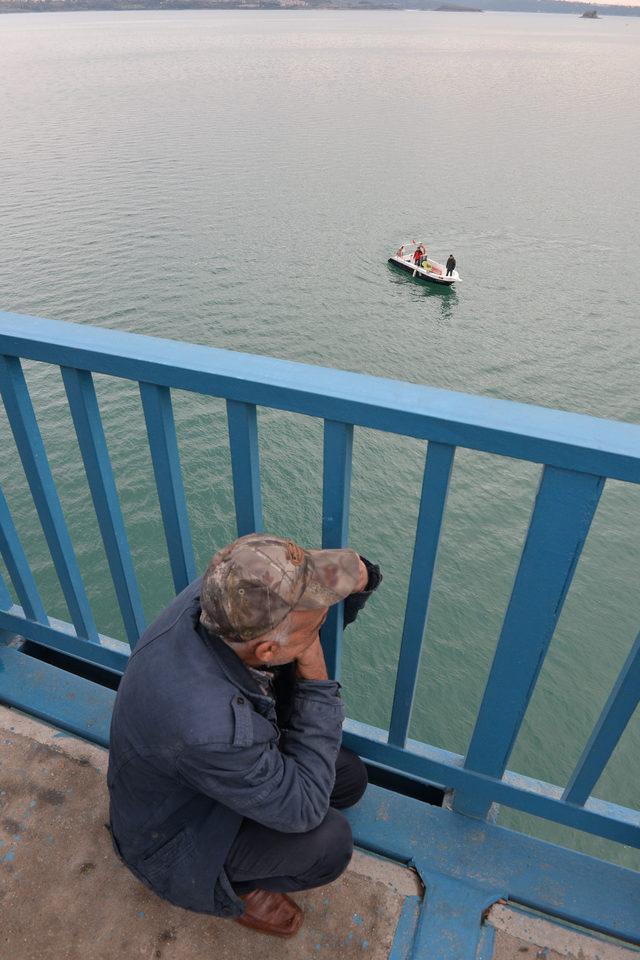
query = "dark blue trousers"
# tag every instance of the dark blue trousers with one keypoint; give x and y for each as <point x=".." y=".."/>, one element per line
<point x="264" y="858"/>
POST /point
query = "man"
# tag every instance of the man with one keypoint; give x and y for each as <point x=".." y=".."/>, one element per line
<point x="451" y="265"/>
<point x="226" y="770"/>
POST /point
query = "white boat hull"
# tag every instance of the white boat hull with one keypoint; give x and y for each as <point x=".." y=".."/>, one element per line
<point x="407" y="264"/>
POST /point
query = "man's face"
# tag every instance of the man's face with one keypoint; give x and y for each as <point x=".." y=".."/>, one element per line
<point x="289" y="639"/>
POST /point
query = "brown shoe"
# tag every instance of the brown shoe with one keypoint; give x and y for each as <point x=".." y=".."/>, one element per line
<point x="272" y="913"/>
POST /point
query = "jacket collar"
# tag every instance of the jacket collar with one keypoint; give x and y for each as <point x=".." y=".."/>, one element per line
<point x="232" y="666"/>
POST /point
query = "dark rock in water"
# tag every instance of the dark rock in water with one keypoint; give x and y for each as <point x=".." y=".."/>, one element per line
<point x="456" y="8"/>
<point x="590" y="15"/>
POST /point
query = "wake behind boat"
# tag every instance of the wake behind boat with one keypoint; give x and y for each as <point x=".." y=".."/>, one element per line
<point x="409" y="258"/>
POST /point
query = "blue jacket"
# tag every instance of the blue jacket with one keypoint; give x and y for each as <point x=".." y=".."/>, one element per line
<point x="196" y="746"/>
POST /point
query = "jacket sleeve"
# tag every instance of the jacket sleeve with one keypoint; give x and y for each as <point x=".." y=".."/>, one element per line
<point x="354" y="604"/>
<point x="288" y="787"/>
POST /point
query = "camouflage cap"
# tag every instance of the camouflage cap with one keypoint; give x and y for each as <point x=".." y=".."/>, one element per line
<point x="251" y="585"/>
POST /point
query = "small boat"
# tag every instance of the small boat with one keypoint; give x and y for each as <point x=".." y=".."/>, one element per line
<point x="427" y="269"/>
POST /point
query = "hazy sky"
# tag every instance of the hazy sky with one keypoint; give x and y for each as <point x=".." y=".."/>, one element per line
<point x="609" y="3"/>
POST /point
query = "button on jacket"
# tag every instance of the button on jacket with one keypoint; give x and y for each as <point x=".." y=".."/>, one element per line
<point x="196" y="747"/>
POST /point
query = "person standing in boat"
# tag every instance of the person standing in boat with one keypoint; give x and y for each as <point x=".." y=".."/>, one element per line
<point x="451" y="265"/>
<point x="418" y="255"/>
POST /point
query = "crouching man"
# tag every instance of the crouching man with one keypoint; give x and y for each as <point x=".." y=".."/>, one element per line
<point x="226" y="771"/>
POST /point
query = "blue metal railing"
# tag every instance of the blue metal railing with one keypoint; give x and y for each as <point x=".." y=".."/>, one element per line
<point x="577" y="454"/>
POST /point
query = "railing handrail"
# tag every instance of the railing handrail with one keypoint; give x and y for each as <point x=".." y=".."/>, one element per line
<point x="509" y="428"/>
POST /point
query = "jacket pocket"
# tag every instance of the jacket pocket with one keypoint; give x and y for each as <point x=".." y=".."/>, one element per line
<point x="157" y="866"/>
<point x="243" y="724"/>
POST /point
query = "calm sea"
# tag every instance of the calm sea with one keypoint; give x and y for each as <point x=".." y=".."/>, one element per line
<point x="239" y="179"/>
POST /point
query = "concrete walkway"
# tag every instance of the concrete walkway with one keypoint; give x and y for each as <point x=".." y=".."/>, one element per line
<point x="65" y="896"/>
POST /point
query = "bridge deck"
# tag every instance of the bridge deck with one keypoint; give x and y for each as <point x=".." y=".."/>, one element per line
<point x="65" y="895"/>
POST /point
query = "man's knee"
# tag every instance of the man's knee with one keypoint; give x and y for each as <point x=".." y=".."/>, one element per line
<point x="351" y="780"/>
<point x="333" y="842"/>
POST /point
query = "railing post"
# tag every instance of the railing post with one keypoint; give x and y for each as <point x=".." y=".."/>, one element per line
<point x="564" y="507"/>
<point x="617" y="712"/>
<point x="435" y="486"/>
<point x="85" y="412"/>
<point x="163" y="444"/>
<point x="18" y="566"/>
<point x="5" y="597"/>
<point x="5" y="604"/>
<point x="245" y="466"/>
<point x="336" y="492"/>
<point x="45" y="496"/>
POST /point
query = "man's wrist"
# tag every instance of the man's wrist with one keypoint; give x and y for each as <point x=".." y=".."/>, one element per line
<point x="312" y="671"/>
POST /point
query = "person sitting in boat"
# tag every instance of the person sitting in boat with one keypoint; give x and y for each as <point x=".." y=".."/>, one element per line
<point x="451" y="265"/>
<point x="419" y="253"/>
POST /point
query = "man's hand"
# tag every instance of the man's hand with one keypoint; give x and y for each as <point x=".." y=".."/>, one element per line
<point x="310" y="664"/>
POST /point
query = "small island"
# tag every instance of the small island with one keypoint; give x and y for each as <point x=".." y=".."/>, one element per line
<point x="590" y="15"/>
<point x="456" y="8"/>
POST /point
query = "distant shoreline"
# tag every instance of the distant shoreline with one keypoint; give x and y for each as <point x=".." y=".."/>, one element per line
<point x="570" y="7"/>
